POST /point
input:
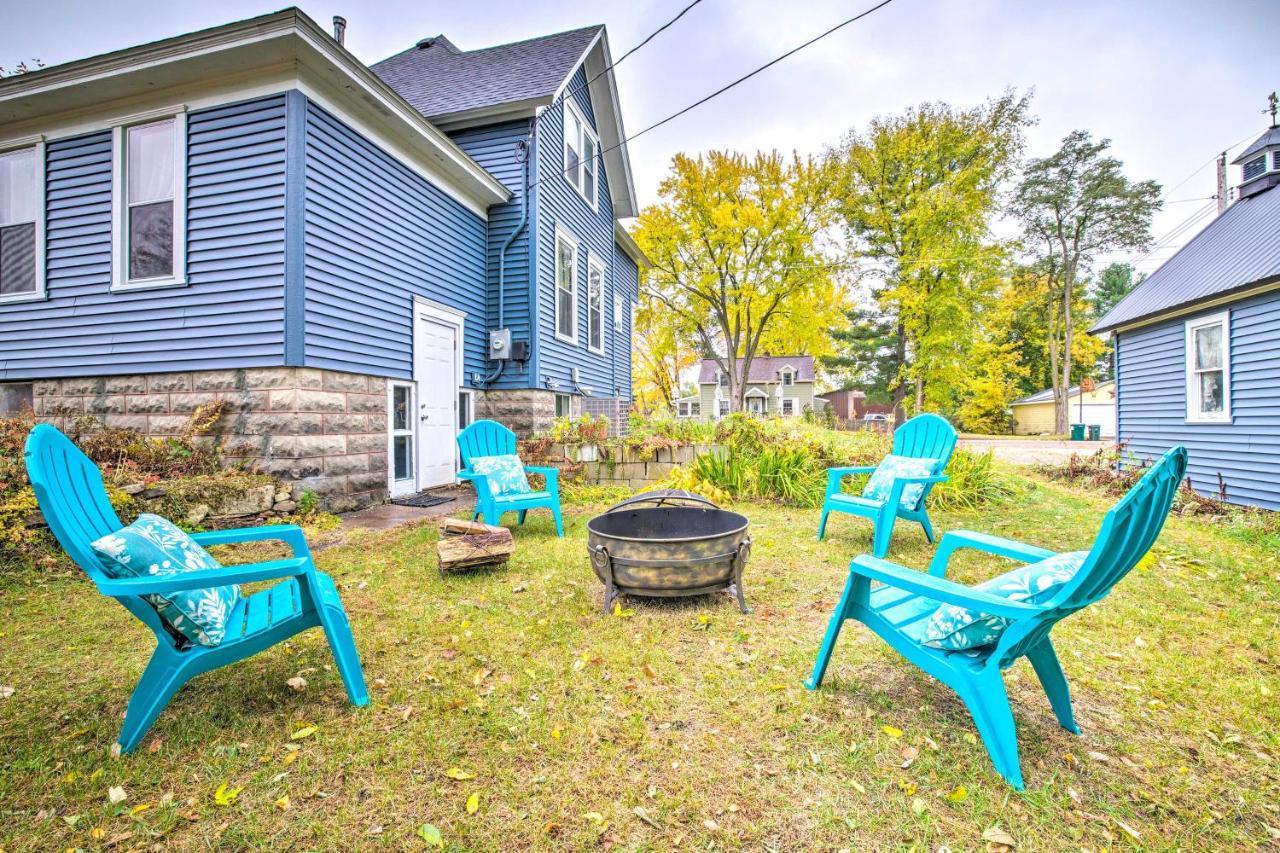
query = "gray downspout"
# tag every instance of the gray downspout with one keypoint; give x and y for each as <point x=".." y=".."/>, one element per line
<point x="523" y="149"/>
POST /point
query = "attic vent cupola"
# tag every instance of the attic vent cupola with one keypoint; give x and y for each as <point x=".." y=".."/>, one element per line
<point x="1260" y="162"/>
<point x="425" y="43"/>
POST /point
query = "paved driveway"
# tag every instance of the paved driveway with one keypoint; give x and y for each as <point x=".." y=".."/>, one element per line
<point x="1028" y="451"/>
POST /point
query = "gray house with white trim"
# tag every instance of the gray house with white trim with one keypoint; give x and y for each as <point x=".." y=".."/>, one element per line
<point x="1198" y="345"/>
<point x="780" y="386"/>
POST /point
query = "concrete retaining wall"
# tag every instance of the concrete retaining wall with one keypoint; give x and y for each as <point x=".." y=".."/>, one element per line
<point x="622" y="466"/>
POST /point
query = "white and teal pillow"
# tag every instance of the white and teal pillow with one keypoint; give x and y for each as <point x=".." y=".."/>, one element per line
<point x="880" y="485"/>
<point x="505" y="474"/>
<point x="154" y="546"/>
<point x="954" y="628"/>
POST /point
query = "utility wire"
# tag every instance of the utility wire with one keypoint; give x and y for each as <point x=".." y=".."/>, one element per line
<point x="729" y="86"/>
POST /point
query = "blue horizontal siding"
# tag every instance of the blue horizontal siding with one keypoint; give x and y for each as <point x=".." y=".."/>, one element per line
<point x="1151" y="403"/>
<point x="559" y="204"/>
<point x="376" y="235"/>
<point x="494" y="148"/>
<point x="228" y="315"/>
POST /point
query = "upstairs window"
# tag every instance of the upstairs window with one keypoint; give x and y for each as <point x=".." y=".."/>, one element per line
<point x="566" y="288"/>
<point x="22" y="224"/>
<point x="595" y="305"/>
<point x="788" y="379"/>
<point x="149" y="226"/>
<point x="581" y="147"/>
<point x="1275" y="160"/>
<point x="1208" y="354"/>
<point x="1255" y="167"/>
<point x="724" y="379"/>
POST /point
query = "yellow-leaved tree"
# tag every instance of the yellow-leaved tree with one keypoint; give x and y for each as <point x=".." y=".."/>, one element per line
<point x="737" y="250"/>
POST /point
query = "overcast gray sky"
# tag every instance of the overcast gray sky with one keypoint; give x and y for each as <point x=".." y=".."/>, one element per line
<point x="1171" y="82"/>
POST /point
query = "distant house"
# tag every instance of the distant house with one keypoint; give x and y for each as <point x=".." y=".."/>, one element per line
<point x="358" y="258"/>
<point x="1198" y="345"/>
<point x="851" y="405"/>
<point x="1034" y="415"/>
<point x="780" y="385"/>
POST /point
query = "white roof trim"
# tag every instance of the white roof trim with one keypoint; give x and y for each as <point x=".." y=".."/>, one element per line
<point x="756" y="392"/>
<point x="62" y="89"/>
<point x="608" y="113"/>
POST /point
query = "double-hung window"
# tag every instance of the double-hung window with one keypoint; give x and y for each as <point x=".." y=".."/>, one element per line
<point x="150" y="217"/>
<point x="22" y="223"/>
<point x="788" y="406"/>
<point x="581" y="150"/>
<point x="1208" y="353"/>
<point x="788" y="378"/>
<point x="566" y="287"/>
<point x="595" y="304"/>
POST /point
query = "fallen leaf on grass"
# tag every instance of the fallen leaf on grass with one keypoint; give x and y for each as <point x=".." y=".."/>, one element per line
<point x="891" y="731"/>
<point x="711" y="825"/>
<point x="431" y="835"/>
<point x="139" y="809"/>
<point x="481" y="676"/>
<point x="459" y="774"/>
<point x="620" y="612"/>
<point x="304" y="732"/>
<point x="917" y="806"/>
<point x="225" y="796"/>
<point x="116" y="794"/>
<point x="154" y="746"/>
<point x="956" y="794"/>
<point x="909" y="755"/>
<point x="1132" y="833"/>
<point x="998" y="841"/>
<point x="297" y="684"/>
<point x="1099" y="756"/>
<point x="6" y="691"/>
<point x="473" y="803"/>
<point x="639" y="812"/>
<point x="648" y="671"/>
<point x="283" y="803"/>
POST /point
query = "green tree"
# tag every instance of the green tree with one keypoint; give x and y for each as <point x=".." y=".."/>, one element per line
<point x="917" y="193"/>
<point x="664" y="349"/>
<point x="1074" y="205"/>
<point x="1114" y="283"/>
<point x="736" y="244"/>
<point x="865" y="354"/>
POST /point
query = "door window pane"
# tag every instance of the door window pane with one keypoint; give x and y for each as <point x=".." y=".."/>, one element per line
<point x="400" y="399"/>
<point x="18" y="259"/>
<point x="403" y="453"/>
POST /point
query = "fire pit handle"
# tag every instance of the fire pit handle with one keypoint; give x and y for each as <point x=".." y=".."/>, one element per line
<point x="661" y="497"/>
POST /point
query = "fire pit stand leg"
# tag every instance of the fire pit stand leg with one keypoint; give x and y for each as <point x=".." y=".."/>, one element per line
<point x="740" y="563"/>
<point x="600" y="556"/>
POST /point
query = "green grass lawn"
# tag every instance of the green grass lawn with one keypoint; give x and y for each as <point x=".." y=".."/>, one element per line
<point x="678" y="724"/>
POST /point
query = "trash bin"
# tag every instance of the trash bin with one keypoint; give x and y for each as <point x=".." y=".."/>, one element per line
<point x="1095" y="432"/>
<point x="1077" y="432"/>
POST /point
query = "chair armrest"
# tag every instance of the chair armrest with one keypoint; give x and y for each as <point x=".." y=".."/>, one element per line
<point x="954" y="540"/>
<point x="466" y="474"/>
<point x="841" y="473"/>
<point x="290" y="534"/>
<point x="939" y="589"/>
<point x="548" y="471"/>
<point x="205" y="578"/>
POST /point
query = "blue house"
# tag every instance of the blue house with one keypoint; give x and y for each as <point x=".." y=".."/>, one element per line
<point x="359" y="259"/>
<point x="1198" y="345"/>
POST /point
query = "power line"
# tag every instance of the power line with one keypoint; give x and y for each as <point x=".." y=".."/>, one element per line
<point x="729" y="86"/>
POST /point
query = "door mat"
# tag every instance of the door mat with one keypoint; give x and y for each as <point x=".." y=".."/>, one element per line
<point x="422" y="501"/>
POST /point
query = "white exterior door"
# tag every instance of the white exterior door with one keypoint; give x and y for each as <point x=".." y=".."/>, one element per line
<point x="437" y="372"/>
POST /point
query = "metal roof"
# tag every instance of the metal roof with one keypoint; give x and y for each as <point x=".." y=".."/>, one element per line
<point x="1046" y="396"/>
<point x="1237" y="249"/>
<point x="1271" y="137"/>
<point x="764" y="368"/>
<point x="438" y="78"/>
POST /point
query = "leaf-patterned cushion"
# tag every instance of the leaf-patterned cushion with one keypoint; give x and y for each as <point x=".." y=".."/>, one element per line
<point x="505" y="473"/>
<point x="154" y="546"/>
<point x="954" y="628"/>
<point x="880" y="485"/>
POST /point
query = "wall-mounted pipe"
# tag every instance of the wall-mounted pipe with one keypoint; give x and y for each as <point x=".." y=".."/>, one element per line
<point x="523" y="149"/>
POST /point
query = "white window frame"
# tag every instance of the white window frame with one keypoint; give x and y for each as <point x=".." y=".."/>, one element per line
<point x="1194" y="413"/>
<point x="795" y="407"/>
<point x="568" y="399"/>
<point x="689" y="408"/>
<point x="120" y="280"/>
<point x="594" y="263"/>
<point x="564" y="235"/>
<point x="578" y="180"/>
<point x="37" y="145"/>
<point x="410" y="485"/>
<point x="723" y="409"/>
<point x="722" y="379"/>
<point x="787" y="377"/>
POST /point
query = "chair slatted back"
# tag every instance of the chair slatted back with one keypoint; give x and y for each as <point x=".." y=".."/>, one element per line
<point x="926" y="436"/>
<point x="74" y="503"/>
<point x="485" y="438"/>
<point x="1127" y="533"/>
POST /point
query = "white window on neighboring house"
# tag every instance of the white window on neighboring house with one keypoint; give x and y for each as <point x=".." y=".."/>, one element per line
<point x="724" y="379"/>
<point x="756" y="405"/>
<point x="566" y="287"/>
<point x="788" y="406"/>
<point x="689" y="408"/>
<point x="149" y="219"/>
<point x="788" y="378"/>
<point x="595" y="304"/>
<point x="581" y="149"/>
<point x="724" y="408"/>
<point x="22" y="223"/>
<point x="1208" y="356"/>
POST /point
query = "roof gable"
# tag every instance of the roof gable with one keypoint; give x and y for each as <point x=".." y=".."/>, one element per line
<point x="1236" y="250"/>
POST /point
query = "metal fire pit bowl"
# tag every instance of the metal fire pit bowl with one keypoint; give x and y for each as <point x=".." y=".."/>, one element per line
<point x="668" y="543"/>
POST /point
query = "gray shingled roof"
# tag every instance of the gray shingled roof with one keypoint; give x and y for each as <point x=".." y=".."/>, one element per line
<point x="440" y="79"/>
<point x="1271" y="137"/>
<point x="1239" y="248"/>
<point x="764" y="368"/>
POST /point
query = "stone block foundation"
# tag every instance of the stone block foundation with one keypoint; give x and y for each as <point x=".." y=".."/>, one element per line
<point x="322" y="430"/>
<point x="524" y="411"/>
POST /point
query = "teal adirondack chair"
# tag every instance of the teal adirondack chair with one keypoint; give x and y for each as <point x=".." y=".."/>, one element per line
<point x="907" y="596"/>
<point x="490" y="438"/>
<point x="69" y="489"/>
<point x="923" y="437"/>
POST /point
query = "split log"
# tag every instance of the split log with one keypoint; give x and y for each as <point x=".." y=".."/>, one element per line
<point x="464" y="544"/>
